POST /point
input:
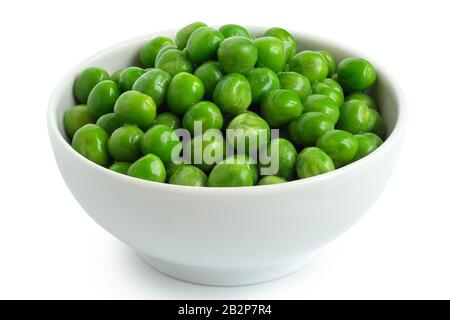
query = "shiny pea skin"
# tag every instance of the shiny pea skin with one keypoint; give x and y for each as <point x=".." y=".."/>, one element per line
<point x="271" y="53"/>
<point x="102" y="98"/>
<point x="204" y="112"/>
<point x="362" y="97"/>
<point x="330" y="88"/>
<point x="162" y="141"/>
<point x="323" y="104"/>
<point x="237" y="54"/>
<point x="136" y="108"/>
<point x="120" y="167"/>
<point x="149" y="167"/>
<point x="312" y="161"/>
<point x="75" y="118"/>
<point x="161" y="52"/>
<point x="110" y="122"/>
<point x="128" y="77"/>
<point x="356" y="74"/>
<point x="287" y="155"/>
<point x="155" y="84"/>
<point x="330" y="62"/>
<point x="115" y="76"/>
<point x="262" y="80"/>
<point x="207" y="149"/>
<point x="189" y="175"/>
<point x="125" y="142"/>
<point x="356" y="117"/>
<point x="340" y="145"/>
<point x="311" y="64"/>
<point x="169" y="119"/>
<point x="230" y="175"/>
<point x="289" y="42"/>
<point x="248" y="161"/>
<point x="203" y="44"/>
<point x="367" y="143"/>
<point x="378" y="128"/>
<point x="271" y="180"/>
<point x="306" y="129"/>
<point x="233" y="30"/>
<point x="174" y="61"/>
<point x="296" y="82"/>
<point x="149" y="51"/>
<point x="280" y="106"/>
<point x="184" y="91"/>
<point x="91" y="142"/>
<point x="209" y="73"/>
<point x="233" y="94"/>
<point x="183" y="35"/>
<point x="86" y="81"/>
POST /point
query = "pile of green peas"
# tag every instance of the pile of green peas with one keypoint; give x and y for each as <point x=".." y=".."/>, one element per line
<point x="226" y="78"/>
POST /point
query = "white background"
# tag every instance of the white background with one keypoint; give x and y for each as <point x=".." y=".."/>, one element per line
<point x="49" y="248"/>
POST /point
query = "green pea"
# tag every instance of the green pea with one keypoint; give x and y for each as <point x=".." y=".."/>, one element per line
<point x="161" y="52"/>
<point x="183" y="35"/>
<point x="248" y="131"/>
<point x="271" y="53"/>
<point x="340" y="145"/>
<point x="362" y="97"/>
<point x="378" y="128"/>
<point x="120" y="167"/>
<point x="102" y="98"/>
<point x="207" y="149"/>
<point x="306" y="129"/>
<point x="136" y="108"/>
<point x="356" y="117"/>
<point x="230" y="175"/>
<point x="188" y="175"/>
<point x="297" y="82"/>
<point x="330" y="88"/>
<point x="367" y="143"/>
<point x="150" y="50"/>
<point x="162" y="141"/>
<point x="237" y="54"/>
<point x="90" y="141"/>
<point x="172" y="167"/>
<point x="280" y="106"/>
<point x="128" y="77"/>
<point x="287" y="155"/>
<point x="203" y="44"/>
<point x="75" y="118"/>
<point x="174" y="61"/>
<point x="209" y="73"/>
<point x="153" y="83"/>
<point x="204" y="112"/>
<point x="124" y="143"/>
<point x="149" y="167"/>
<point x="86" y="81"/>
<point x="323" y="104"/>
<point x="169" y="119"/>
<point x="312" y="161"/>
<point x="289" y="42"/>
<point x="248" y="161"/>
<point x="262" y="80"/>
<point x="184" y="91"/>
<point x="110" y="122"/>
<point x="115" y="76"/>
<point x="330" y="62"/>
<point x="356" y="74"/>
<point x="233" y="30"/>
<point x="311" y="64"/>
<point x="270" y="180"/>
<point x="233" y="94"/>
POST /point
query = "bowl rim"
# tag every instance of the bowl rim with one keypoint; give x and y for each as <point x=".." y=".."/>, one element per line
<point x="395" y="135"/>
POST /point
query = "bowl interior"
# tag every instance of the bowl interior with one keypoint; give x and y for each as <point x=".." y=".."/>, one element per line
<point x="385" y="92"/>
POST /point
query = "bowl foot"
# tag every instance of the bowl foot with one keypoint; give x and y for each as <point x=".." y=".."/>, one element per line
<point x="228" y="276"/>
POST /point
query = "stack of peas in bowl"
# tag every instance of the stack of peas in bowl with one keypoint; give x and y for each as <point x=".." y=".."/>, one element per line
<point x="226" y="78"/>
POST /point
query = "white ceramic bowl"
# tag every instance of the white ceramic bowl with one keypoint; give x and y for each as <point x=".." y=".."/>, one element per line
<point x="226" y="236"/>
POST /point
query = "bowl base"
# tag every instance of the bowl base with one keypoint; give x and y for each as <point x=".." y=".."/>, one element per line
<point x="230" y="276"/>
